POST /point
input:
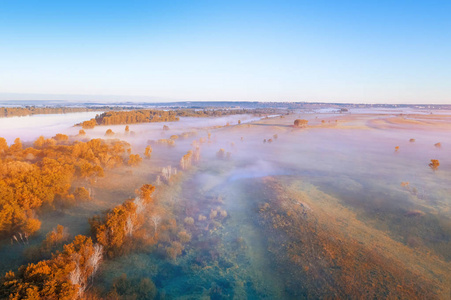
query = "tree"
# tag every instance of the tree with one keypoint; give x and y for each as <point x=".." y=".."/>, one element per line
<point x="39" y="143"/>
<point x="145" y="192"/>
<point x="82" y="194"/>
<point x="60" y="137"/>
<point x="134" y="160"/>
<point x="16" y="147"/>
<point x="434" y="164"/>
<point x="220" y="154"/>
<point x="148" y="152"/>
<point x="186" y="160"/>
<point x="156" y="221"/>
<point x="3" y="145"/>
<point x="124" y="288"/>
<point x="109" y="132"/>
<point x="300" y="123"/>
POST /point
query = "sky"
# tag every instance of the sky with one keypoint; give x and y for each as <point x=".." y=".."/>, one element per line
<point x="328" y="51"/>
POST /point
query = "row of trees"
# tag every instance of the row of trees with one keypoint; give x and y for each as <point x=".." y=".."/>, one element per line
<point x="151" y="115"/>
<point x="33" y="110"/>
<point x="118" y="226"/>
<point x="69" y="273"/>
<point x="130" y="117"/>
<point x="65" y="276"/>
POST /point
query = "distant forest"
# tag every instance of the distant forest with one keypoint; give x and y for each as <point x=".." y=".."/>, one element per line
<point x="32" y="110"/>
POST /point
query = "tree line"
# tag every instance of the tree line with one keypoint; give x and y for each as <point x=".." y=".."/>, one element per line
<point x="33" y="110"/>
<point x="153" y="115"/>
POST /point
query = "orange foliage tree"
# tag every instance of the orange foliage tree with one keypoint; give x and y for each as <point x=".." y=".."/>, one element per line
<point x="434" y="164"/>
<point x="123" y="223"/>
<point x="134" y="160"/>
<point x="148" y="151"/>
<point x="300" y="123"/>
<point x="109" y="132"/>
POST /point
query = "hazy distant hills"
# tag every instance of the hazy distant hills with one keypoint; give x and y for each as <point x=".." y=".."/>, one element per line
<point x="211" y="104"/>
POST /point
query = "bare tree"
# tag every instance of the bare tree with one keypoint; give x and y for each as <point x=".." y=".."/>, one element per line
<point x="76" y="278"/>
<point x="196" y="154"/>
<point x="129" y="226"/>
<point x="140" y="205"/>
<point x="156" y="219"/>
<point x="168" y="172"/>
<point x="95" y="259"/>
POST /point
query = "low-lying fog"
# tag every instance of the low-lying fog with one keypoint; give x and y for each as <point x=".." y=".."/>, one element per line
<point x="347" y="157"/>
<point x="29" y="128"/>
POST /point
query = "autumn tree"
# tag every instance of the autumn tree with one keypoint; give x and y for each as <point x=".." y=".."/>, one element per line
<point x="300" y="123"/>
<point x="434" y="164"/>
<point x="82" y="194"/>
<point x="53" y="240"/>
<point x="134" y="160"/>
<point x="148" y="152"/>
<point x="57" y="236"/>
<point x="89" y="124"/>
<point x="3" y="145"/>
<point x="116" y="228"/>
<point x="145" y="192"/>
<point x="17" y="146"/>
<point x="186" y="160"/>
<point x="109" y="132"/>
<point x="60" y="137"/>
<point x="39" y="143"/>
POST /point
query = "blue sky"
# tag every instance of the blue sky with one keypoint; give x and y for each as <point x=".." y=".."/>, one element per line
<point x="330" y="51"/>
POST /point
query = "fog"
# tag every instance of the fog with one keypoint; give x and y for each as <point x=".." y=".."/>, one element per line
<point x="346" y="164"/>
<point x="29" y="128"/>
